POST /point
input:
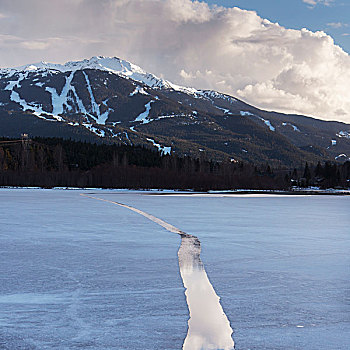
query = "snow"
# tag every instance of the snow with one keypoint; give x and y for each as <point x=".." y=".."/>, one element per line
<point x="163" y="149"/>
<point x="15" y="97"/>
<point x="245" y="113"/>
<point x="101" y="118"/>
<point x="225" y="110"/>
<point x="143" y="117"/>
<point x="138" y="90"/>
<point x="59" y="101"/>
<point x="295" y="128"/>
<point x="79" y="102"/>
<point x="127" y="137"/>
<point x="268" y="124"/>
<point x="104" y="116"/>
<point x="93" y="129"/>
<point x="341" y="156"/>
<point x="14" y="83"/>
<point x="209" y="94"/>
<point x="37" y="110"/>
<point x="94" y="107"/>
<point x="169" y="116"/>
<point x="345" y="134"/>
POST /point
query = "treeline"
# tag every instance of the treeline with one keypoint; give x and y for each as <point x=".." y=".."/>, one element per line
<point x="53" y="162"/>
<point x="328" y="175"/>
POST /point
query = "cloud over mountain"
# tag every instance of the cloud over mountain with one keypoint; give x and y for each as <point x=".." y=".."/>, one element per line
<point x="226" y="49"/>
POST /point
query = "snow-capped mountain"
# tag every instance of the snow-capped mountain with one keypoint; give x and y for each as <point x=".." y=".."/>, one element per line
<point x="118" y="101"/>
<point x="59" y="84"/>
<point x="113" y="65"/>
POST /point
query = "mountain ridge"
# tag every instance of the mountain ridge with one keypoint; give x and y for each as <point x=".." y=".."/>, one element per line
<point x="118" y="101"/>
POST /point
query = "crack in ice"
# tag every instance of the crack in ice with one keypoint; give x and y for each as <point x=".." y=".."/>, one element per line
<point x="208" y="325"/>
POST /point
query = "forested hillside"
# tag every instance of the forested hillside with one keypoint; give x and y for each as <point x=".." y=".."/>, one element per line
<point x="52" y="162"/>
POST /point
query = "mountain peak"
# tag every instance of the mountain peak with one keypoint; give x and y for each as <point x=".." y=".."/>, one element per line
<point x="114" y="65"/>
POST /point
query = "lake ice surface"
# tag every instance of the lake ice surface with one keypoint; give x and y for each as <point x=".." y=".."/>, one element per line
<point x="77" y="273"/>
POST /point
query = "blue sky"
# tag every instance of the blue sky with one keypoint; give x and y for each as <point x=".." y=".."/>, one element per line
<point x="332" y="16"/>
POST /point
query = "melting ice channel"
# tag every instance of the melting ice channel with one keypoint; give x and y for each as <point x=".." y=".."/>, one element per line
<point x="208" y="325"/>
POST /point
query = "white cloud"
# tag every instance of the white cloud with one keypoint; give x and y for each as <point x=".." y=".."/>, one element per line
<point x="190" y="43"/>
<point x="337" y="25"/>
<point x="319" y="2"/>
<point x="35" y="45"/>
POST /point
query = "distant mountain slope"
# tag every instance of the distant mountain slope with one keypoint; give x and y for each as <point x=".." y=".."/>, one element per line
<point x="112" y="100"/>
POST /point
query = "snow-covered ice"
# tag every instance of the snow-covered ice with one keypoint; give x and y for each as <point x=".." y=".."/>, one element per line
<point x="79" y="273"/>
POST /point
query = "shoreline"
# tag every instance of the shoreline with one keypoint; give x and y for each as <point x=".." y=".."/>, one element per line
<point x="190" y="192"/>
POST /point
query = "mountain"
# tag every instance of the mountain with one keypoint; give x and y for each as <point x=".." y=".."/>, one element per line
<point x="112" y="100"/>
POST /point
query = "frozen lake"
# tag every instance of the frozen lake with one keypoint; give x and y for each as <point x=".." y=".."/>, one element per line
<point x="79" y="273"/>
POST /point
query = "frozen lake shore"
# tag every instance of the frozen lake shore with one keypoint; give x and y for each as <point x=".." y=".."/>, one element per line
<point x="79" y="273"/>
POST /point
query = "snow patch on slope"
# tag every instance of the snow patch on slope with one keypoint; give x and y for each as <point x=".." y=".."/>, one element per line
<point x="344" y="156"/>
<point x="345" y="134"/>
<point x="95" y="108"/>
<point x="295" y="128"/>
<point x="245" y="113"/>
<point x="59" y="101"/>
<point x="15" y="97"/>
<point x="268" y="123"/>
<point x="138" y="90"/>
<point x="163" y="149"/>
<point x="143" y="117"/>
<point x="97" y="131"/>
<point x="26" y="106"/>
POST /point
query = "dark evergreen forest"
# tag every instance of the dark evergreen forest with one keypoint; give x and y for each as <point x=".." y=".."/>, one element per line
<point x="55" y="162"/>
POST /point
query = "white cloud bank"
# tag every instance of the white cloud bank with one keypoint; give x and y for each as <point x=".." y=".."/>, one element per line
<point x="187" y="42"/>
